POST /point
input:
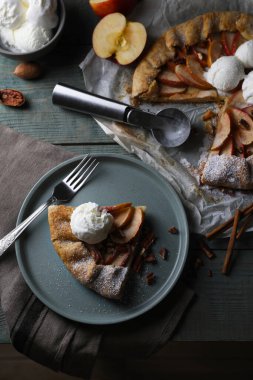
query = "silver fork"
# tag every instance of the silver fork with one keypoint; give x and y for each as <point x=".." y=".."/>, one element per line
<point x="64" y="191"/>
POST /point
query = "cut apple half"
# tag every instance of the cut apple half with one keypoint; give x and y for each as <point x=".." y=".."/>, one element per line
<point x="243" y="124"/>
<point x="114" y="35"/>
<point x="130" y="231"/>
<point x="223" y="130"/>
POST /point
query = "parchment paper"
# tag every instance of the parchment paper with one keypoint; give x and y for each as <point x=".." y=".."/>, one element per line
<point x="205" y="207"/>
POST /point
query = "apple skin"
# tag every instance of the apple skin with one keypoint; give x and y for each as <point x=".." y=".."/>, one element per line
<point x="105" y="7"/>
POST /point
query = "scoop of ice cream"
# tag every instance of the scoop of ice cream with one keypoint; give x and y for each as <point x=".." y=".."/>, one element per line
<point x="247" y="88"/>
<point x="90" y="224"/>
<point x="245" y="54"/>
<point x="12" y="13"/>
<point x="42" y="13"/>
<point x="30" y="37"/>
<point x="225" y="73"/>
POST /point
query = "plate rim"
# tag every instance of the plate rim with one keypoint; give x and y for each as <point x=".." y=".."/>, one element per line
<point x="116" y="319"/>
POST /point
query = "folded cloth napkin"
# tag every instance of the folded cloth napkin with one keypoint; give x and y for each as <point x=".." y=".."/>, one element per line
<point x="37" y="331"/>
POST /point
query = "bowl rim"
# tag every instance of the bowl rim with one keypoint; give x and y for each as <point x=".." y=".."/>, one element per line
<point x="61" y="23"/>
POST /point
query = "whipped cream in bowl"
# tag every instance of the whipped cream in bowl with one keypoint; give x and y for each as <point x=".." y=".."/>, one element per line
<point x="91" y="224"/>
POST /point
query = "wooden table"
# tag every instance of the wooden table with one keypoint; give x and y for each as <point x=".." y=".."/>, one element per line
<point x="223" y="308"/>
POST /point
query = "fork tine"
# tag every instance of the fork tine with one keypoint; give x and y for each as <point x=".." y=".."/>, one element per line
<point x="78" y="173"/>
<point x="77" y="185"/>
<point x="76" y="168"/>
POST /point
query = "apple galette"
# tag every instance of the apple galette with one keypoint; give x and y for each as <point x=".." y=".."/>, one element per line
<point x="97" y="244"/>
<point x="208" y="58"/>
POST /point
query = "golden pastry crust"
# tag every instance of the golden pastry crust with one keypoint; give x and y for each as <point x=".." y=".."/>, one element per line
<point x="107" y="280"/>
<point x="145" y="86"/>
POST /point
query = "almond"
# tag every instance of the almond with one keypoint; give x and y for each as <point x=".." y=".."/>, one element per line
<point x="28" y="70"/>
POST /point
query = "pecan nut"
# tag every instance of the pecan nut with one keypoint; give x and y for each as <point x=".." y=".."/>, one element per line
<point x="11" y="97"/>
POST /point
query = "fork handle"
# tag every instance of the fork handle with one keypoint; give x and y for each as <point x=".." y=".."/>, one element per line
<point x="11" y="237"/>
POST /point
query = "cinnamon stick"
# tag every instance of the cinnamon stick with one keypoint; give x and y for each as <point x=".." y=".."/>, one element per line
<point x="244" y="226"/>
<point x="226" y="225"/>
<point x="231" y="242"/>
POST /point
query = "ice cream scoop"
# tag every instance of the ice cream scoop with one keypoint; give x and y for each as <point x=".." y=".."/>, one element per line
<point x="225" y="73"/>
<point x="245" y="54"/>
<point x="90" y="224"/>
<point x="247" y="88"/>
<point x="27" y="25"/>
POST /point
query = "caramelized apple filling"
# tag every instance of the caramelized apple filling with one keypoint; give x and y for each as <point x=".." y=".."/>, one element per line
<point x="187" y="70"/>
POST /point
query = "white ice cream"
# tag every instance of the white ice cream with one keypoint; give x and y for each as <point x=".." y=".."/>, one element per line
<point x="245" y="54"/>
<point x="27" y="25"/>
<point x="225" y="73"/>
<point x="90" y="224"/>
<point x="247" y="88"/>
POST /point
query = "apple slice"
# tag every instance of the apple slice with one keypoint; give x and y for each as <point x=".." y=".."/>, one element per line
<point x="130" y="231"/>
<point x="197" y="72"/>
<point x="171" y="79"/>
<point x="169" y="91"/>
<point x="116" y="208"/>
<point x="227" y="40"/>
<point x="228" y="147"/>
<point x="243" y="124"/>
<point x="114" y="35"/>
<point x="237" y="100"/>
<point x="104" y="7"/>
<point x="185" y="76"/>
<point x="215" y="50"/>
<point x="123" y="216"/>
<point x="248" y="110"/>
<point x="223" y="130"/>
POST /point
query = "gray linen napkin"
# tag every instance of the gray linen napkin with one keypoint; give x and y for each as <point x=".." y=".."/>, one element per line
<point x="37" y="331"/>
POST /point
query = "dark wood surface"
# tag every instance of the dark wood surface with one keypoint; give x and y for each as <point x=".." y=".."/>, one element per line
<point x="222" y="309"/>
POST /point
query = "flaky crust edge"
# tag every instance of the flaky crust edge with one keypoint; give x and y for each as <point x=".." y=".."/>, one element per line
<point x="144" y="84"/>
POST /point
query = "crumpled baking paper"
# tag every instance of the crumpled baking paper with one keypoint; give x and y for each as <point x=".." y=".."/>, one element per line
<point x="205" y="207"/>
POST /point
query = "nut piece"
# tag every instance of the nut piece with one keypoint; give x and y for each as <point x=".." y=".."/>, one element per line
<point x="12" y="98"/>
<point x="28" y="70"/>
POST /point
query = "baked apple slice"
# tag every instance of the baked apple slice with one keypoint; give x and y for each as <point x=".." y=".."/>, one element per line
<point x="248" y="110"/>
<point x="243" y="124"/>
<point x="237" y="100"/>
<point x="115" y="36"/>
<point x="185" y="76"/>
<point x="169" y="78"/>
<point x="169" y="90"/>
<point x="123" y="216"/>
<point x="215" y="50"/>
<point x="130" y="231"/>
<point x="228" y="147"/>
<point x="197" y="72"/>
<point x="223" y="130"/>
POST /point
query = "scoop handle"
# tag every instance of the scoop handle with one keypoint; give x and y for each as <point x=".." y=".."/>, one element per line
<point x="86" y="102"/>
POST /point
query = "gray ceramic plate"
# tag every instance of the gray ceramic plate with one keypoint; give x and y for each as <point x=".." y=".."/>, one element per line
<point x="117" y="179"/>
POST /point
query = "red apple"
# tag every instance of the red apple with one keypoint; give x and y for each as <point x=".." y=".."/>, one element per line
<point x="105" y="7"/>
<point x="115" y="36"/>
